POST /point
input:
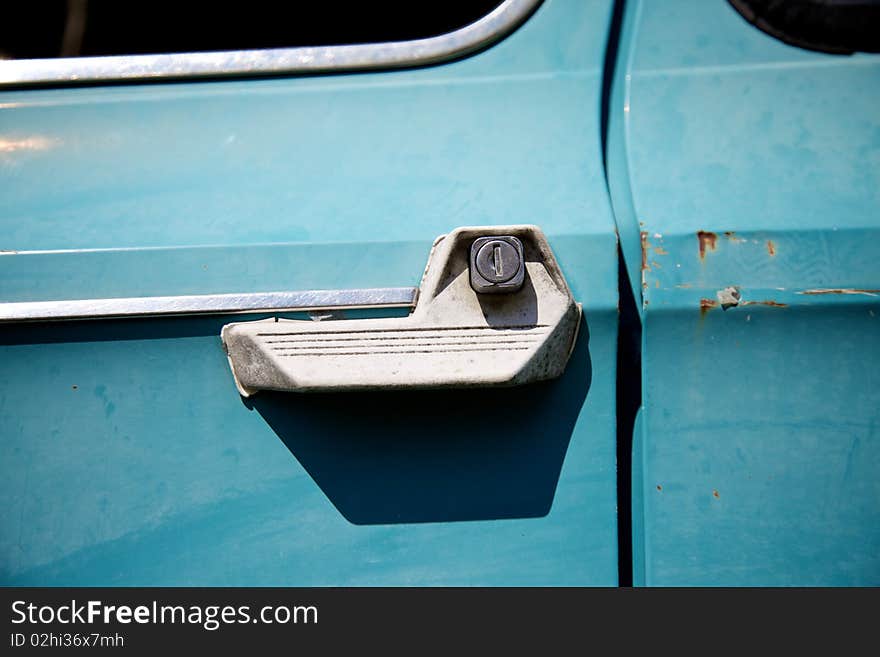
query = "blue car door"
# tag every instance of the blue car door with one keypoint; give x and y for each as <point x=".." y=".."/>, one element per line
<point x="127" y="454"/>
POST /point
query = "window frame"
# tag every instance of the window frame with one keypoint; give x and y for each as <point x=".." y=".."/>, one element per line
<point x="274" y="61"/>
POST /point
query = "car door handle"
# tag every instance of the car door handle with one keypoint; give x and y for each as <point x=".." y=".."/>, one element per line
<point x="493" y="309"/>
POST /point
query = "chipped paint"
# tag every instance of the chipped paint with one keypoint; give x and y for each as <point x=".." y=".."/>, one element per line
<point x="729" y="234"/>
<point x="707" y="240"/>
<point x="870" y="293"/>
<point x="645" y="267"/>
<point x="771" y="248"/>
<point x="729" y="297"/>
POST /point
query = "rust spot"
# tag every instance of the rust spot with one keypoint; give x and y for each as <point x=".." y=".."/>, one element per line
<point x="715" y="494"/>
<point x="655" y="265"/>
<point x="729" y="234"/>
<point x="659" y="250"/>
<point x="659" y="487"/>
<point x="870" y="293"/>
<point x="707" y="241"/>
<point x="706" y="305"/>
<point x="771" y="248"/>
<point x="772" y="304"/>
<point x="645" y="267"/>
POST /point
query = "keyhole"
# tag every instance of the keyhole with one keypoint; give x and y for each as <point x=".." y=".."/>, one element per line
<point x="498" y="261"/>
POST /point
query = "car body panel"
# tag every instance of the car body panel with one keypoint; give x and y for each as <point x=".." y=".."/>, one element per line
<point x="743" y="167"/>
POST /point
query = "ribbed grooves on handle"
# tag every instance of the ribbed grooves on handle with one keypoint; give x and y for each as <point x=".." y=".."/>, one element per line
<point x="407" y="341"/>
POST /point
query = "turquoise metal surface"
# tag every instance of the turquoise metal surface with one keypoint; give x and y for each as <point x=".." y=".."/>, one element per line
<point x="736" y="161"/>
<point x="127" y="456"/>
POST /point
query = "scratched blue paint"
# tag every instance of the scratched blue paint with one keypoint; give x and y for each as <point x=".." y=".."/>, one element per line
<point x="126" y="455"/>
<point x="757" y="449"/>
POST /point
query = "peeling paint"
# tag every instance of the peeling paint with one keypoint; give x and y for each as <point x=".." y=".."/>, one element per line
<point x="870" y="293"/>
<point x="729" y="297"/>
<point x="771" y="248"/>
<point x="707" y="240"/>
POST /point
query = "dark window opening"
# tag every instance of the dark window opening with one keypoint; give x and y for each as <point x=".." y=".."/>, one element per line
<point x="38" y="29"/>
<point x="833" y="26"/>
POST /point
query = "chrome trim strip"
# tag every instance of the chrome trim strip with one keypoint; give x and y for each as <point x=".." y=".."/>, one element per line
<point x="205" y="304"/>
<point x="397" y="54"/>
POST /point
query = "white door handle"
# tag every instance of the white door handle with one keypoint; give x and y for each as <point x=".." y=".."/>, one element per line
<point x="493" y="310"/>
